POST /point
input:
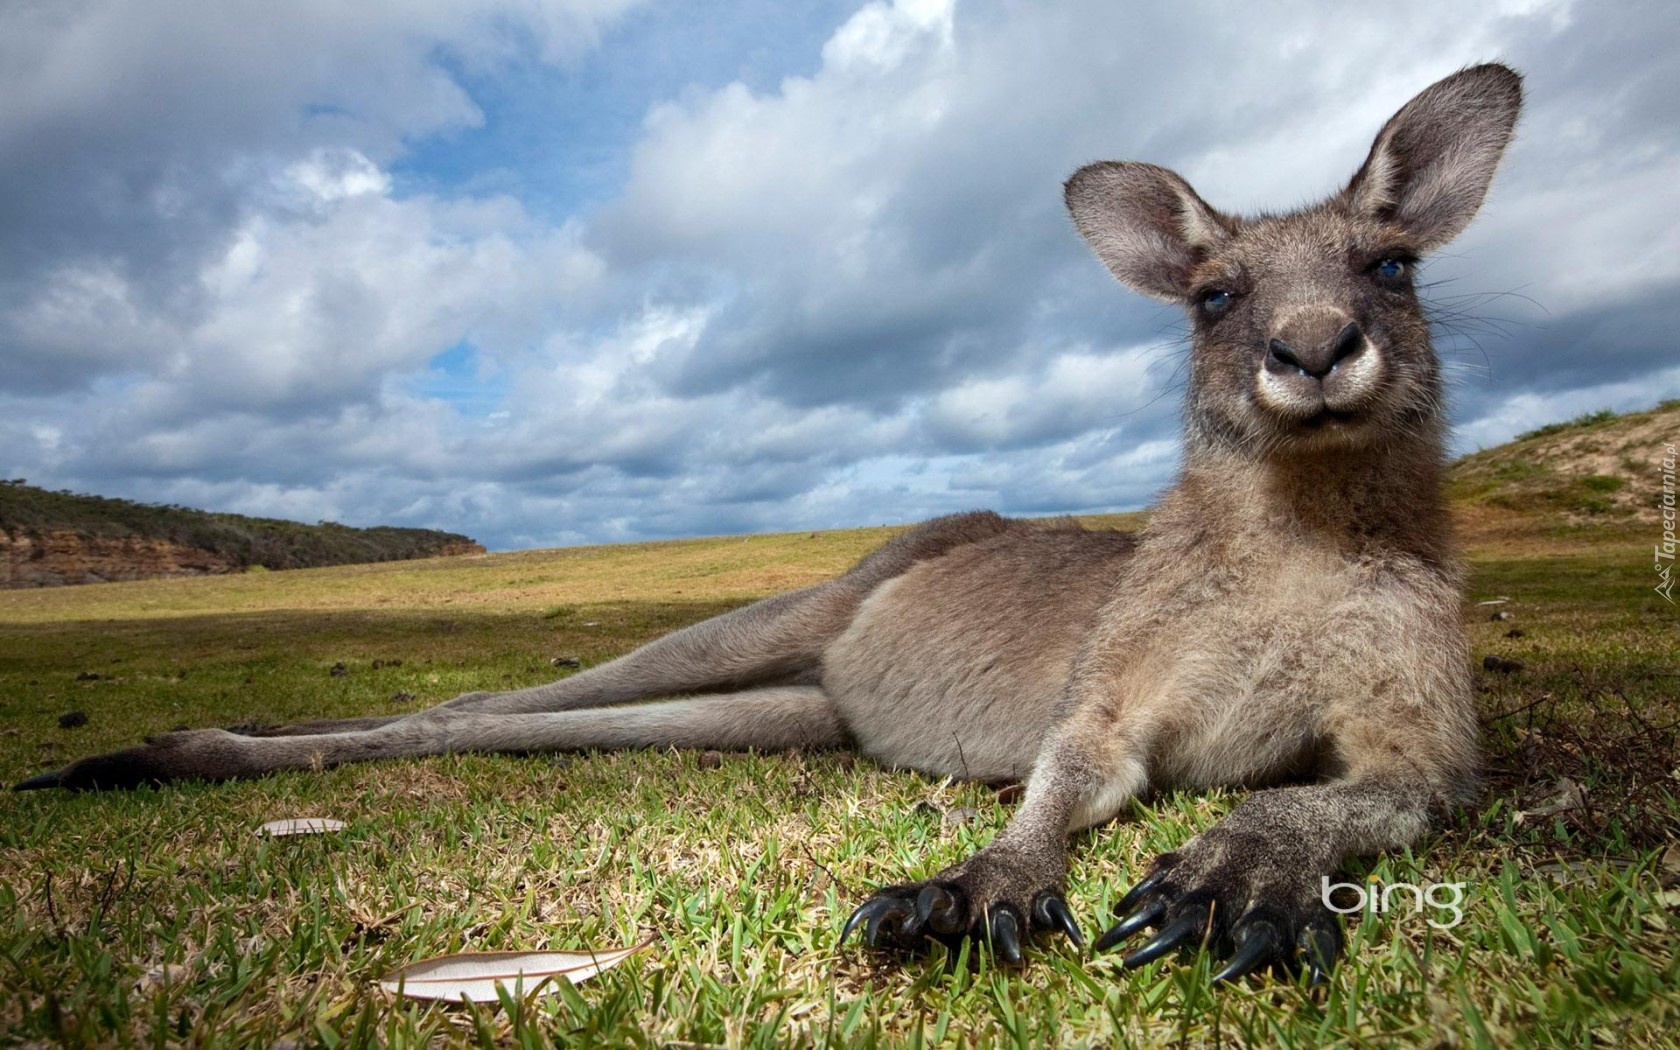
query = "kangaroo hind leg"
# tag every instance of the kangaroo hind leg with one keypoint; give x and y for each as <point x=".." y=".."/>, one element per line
<point x="773" y="719"/>
<point x="317" y="726"/>
<point x="777" y="641"/>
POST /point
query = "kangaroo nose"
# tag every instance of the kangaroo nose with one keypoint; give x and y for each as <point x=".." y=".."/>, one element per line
<point x="1316" y="361"/>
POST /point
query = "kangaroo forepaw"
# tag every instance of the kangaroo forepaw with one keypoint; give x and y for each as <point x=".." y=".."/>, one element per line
<point x="1247" y="913"/>
<point x="979" y="900"/>
<point x="909" y="918"/>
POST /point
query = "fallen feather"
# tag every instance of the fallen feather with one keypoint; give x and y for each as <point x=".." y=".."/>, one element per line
<point x="476" y="975"/>
<point x="275" y="829"/>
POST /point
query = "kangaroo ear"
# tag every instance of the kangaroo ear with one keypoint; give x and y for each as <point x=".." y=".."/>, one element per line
<point x="1431" y="164"/>
<point x="1145" y="223"/>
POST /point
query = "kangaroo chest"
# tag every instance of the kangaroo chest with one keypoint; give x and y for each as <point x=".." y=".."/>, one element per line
<point x="1228" y="666"/>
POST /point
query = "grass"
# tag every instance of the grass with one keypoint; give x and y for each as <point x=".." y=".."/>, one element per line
<point x="160" y="918"/>
<point x="1585" y="421"/>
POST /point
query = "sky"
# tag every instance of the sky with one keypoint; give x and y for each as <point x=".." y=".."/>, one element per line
<point x="550" y="272"/>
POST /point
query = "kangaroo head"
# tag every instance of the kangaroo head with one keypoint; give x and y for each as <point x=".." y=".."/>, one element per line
<point x="1307" y="328"/>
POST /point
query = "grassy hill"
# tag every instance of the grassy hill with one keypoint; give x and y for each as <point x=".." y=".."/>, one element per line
<point x="160" y="917"/>
<point x="1600" y="468"/>
<point x="231" y="541"/>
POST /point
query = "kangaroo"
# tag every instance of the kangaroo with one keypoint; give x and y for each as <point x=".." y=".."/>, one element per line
<point x="1288" y="619"/>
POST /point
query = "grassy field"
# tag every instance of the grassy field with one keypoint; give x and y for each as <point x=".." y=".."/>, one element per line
<point x="161" y="918"/>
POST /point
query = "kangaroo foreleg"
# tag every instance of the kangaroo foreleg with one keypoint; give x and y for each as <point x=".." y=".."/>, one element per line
<point x="1399" y="734"/>
<point x="1016" y="884"/>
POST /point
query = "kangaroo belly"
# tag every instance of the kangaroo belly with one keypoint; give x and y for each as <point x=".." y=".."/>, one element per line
<point x="955" y="666"/>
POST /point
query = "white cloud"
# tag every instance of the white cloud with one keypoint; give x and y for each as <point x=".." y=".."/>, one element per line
<point x="244" y="71"/>
<point x="332" y="175"/>
<point x="1074" y="392"/>
<point x="316" y="308"/>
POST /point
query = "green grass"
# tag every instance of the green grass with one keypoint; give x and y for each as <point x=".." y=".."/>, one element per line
<point x="1585" y="421"/>
<point x="160" y="918"/>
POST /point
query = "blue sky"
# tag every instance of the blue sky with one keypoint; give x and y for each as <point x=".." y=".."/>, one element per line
<point x="558" y="134"/>
<point x="563" y="271"/>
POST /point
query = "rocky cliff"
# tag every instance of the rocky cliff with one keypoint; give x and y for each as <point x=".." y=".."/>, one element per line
<point x="48" y="539"/>
<point x="59" y="558"/>
<point x="53" y="559"/>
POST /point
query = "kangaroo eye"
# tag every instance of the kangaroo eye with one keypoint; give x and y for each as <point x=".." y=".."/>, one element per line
<point x="1390" y="269"/>
<point x="1216" y="301"/>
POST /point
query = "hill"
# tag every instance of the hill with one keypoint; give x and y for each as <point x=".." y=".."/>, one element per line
<point x="1600" y="468"/>
<point x="48" y="539"/>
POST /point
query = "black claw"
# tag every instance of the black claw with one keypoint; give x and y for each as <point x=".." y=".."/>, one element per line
<point x="1144" y="914"/>
<point x="907" y="917"/>
<point x="863" y="910"/>
<point x="939" y="910"/>
<point x="1321" y="942"/>
<point x="38" y="783"/>
<point x="1135" y="894"/>
<point x="1050" y="912"/>
<point x="873" y="914"/>
<point x="1006" y="935"/>
<point x="889" y="923"/>
<point x="1257" y="941"/>
<point x="1181" y="930"/>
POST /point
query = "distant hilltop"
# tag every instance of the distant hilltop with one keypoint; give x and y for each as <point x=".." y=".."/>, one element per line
<point x="50" y="539"/>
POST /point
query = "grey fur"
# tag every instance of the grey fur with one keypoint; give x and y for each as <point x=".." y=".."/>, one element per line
<point x="1290" y="611"/>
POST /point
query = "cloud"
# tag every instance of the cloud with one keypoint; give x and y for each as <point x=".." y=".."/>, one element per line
<point x="138" y="142"/>
<point x="243" y="269"/>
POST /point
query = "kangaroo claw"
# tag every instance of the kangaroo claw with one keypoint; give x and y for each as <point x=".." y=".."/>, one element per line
<point x="1006" y="936"/>
<point x="1051" y="912"/>
<point x="1256" y="943"/>
<point x="882" y="917"/>
<point x="939" y="911"/>
<point x="1144" y="913"/>
<point x="1183" y="930"/>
